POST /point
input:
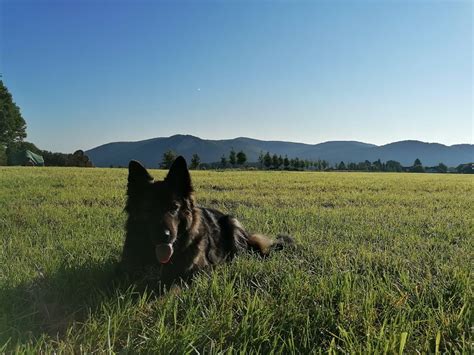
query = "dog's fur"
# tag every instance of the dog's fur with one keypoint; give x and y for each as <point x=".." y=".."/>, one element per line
<point x="165" y="213"/>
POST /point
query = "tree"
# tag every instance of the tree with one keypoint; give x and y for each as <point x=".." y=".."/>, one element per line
<point x="286" y="162"/>
<point x="377" y="165"/>
<point x="275" y="164"/>
<point x="465" y="168"/>
<point x="241" y="158"/>
<point x="296" y="163"/>
<point x="12" y="124"/>
<point x="319" y="165"/>
<point x="280" y="160"/>
<point x="3" y="156"/>
<point x="195" y="161"/>
<point x="366" y="166"/>
<point x="54" y="159"/>
<point x="442" y="168"/>
<point x="324" y="164"/>
<point x="393" y="166"/>
<point x="261" y="159"/>
<point x="223" y="161"/>
<point x="341" y="166"/>
<point x="232" y="157"/>
<point x="168" y="158"/>
<point x="78" y="158"/>
<point x="417" y="167"/>
<point x="267" y="160"/>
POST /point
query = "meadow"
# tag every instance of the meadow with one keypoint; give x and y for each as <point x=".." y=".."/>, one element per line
<point x="383" y="265"/>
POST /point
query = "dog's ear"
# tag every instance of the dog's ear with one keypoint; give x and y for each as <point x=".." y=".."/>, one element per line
<point x="179" y="179"/>
<point x="137" y="175"/>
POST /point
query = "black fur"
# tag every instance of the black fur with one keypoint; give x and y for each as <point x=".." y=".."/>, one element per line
<point x="164" y="212"/>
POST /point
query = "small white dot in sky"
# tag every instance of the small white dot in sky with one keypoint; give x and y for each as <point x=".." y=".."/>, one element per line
<point x="199" y="89"/>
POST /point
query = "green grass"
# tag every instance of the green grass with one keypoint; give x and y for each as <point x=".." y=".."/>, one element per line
<point x="384" y="265"/>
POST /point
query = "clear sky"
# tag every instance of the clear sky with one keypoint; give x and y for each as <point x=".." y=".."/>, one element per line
<point x="89" y="72"/>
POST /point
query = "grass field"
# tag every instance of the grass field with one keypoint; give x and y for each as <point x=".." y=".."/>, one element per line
<point x="384" y="264"/>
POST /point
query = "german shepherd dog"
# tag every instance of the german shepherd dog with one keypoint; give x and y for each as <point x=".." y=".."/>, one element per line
<point x="168" y="232"/>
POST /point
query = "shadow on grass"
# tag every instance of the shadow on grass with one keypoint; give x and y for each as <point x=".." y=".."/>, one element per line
<point x="50" y="304"/>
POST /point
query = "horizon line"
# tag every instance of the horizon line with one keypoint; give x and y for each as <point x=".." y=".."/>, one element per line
<point x="275" y="140"/>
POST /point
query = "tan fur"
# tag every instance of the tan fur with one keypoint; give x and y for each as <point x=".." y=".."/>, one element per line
<point x="261" y="242"/>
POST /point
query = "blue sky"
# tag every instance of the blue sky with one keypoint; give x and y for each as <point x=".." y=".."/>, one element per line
<point x="87" y="72"/>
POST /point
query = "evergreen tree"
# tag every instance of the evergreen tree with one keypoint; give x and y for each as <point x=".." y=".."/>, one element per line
<point x="12" y="124"/>
<point x="261" y="159"/>
<point x="241" y="158"/>
<point x="232" y="157"/>
<point x="417" y="167"/>
<point x="296" y="163"/>
<point x="275" y="161"/>
<point x="368" y="165"/>
<point x="377" y="165"/>
<point x="267" y="160"/>
<point x="341" y="166"/>
<point x="280" y="161"/>
<point x="352" y="166"/>
<point x="223" y="161"/>
<point x="286" y="162"/>
<point x="319" y="165"/>
<point x="195" y="161"/>
<point x="168" y="158"/>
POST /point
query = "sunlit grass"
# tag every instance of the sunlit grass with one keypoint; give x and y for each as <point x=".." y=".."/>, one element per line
<point x="384" y="264"/>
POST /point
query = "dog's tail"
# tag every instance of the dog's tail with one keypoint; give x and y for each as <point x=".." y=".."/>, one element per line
<point x="264" y="245"/>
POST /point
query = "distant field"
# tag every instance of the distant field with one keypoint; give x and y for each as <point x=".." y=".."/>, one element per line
<point x="384" y="264"/>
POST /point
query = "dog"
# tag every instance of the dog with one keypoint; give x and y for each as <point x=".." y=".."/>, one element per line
<point x="167" y="231"/>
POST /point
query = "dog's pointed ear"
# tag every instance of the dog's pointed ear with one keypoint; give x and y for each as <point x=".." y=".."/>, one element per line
<point x="179" y="178"/>
<point x="137" y="175"/>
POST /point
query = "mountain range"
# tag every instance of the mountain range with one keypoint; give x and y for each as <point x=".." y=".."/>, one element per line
<point x="150" y="151"/>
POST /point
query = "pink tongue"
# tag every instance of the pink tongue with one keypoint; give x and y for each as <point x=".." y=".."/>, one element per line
<point x="163" y="252"/>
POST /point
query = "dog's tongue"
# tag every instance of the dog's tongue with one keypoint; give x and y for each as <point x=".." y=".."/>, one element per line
<point x="163" y="252"/>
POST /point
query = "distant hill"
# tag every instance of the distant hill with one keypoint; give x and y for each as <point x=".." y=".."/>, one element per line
<point x="150" y="151"/>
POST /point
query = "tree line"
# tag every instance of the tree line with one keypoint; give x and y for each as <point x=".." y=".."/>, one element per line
<point x="270" y="161"/>
<point x="78" y="158"/>
<point x="278" y="162"/>
<point x="235" y="159"/>
<point x="13" y="133"/>
<point x="395" y="166"/>
<point x="391" y="166"/>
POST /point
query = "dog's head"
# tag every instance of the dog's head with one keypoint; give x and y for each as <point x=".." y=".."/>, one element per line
<point x="163" y="210"/>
